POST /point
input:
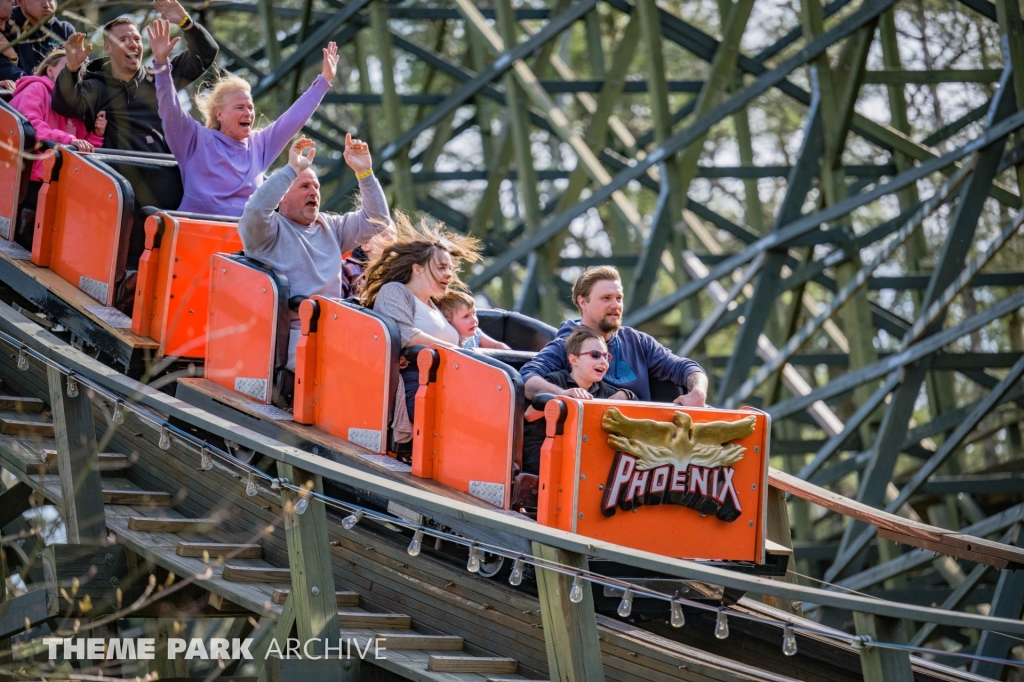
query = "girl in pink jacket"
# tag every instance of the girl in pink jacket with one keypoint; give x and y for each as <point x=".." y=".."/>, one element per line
<point x="32" y="96"/>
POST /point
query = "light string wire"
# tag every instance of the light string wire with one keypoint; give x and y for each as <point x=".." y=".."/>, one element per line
<point x="233" y="463"/>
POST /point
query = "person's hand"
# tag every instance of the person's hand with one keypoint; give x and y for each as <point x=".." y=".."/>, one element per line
<point x="692" y="399"/>
<point x="330" y="62"/>
<point x="577" y="393"/>
<point x="298" y="158"/>
<point x="6" y="49"/>
<point x="101" y="124"/>
<point x="357" y="155"/>
<point x="83" y="146"/>
<point x="170" y="10"/>
<point x="77" y="51"/>
<point x="7" y="85"/>
<point x="160" y="39"/>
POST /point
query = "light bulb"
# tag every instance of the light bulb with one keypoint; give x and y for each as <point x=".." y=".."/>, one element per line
<point x="788" y="641"/>
<point x="721" y="625"/>
<point x="576" y="591"/>
<point x="350" y="521"/>
<point x="677" y="619"/>
<point x="301" y="505"/>
<point x="205" y="459"/>
<point x="473" y="565"/>
<point x="416" y="545"/>
<point x="23" y="359"/>
<point x="72" y="386"/>
<point x="626" y="605"/>
<point x="118" y="417"/>
<point x="515" y="578"/>
<point x="165" y="438"/>
<point x="250" y="488"/>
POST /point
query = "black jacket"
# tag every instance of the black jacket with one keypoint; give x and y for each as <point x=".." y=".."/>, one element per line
<point x="34" y="48"/>
<point x="9" y="70"/>
<point x="133" y="121"/>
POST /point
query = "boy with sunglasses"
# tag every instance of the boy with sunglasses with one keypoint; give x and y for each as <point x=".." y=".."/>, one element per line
<point x="588" y="363"/>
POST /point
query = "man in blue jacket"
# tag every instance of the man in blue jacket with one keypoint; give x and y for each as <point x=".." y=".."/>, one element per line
<point x="39" y="31"/>
<point x="636" y="357"/>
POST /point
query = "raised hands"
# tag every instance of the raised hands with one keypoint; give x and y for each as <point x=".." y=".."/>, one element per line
<point x="170" y="10"/>
<point x="330" y="62"/>
<point x="160" y="39"/>
<point x="298" y="157"/>
<point x="357" y="154"/>
<point x="77" y="51"/>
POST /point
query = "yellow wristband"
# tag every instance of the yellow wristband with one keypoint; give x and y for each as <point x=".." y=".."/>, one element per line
<point x="365" y="174"/>
<point x="181" y="24"/>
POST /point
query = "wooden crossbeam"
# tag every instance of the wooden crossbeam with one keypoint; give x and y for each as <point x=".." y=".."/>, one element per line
<point x="166" y="525"/>
<point x="342" y="597"/>
<point x="20" y="427"/>
<point x="10" y="403"/>
<point x="397" y="621"/>
<point x="28" y="609"/>
<point x="472" y="664"/>
<point x="416" y="641"/>
<point x="217" y="550"/>
<point x="903" y="530"/>
<point x="137" y="498"/>
<point x="108" y="461"/>
<point x="256" y="574"/>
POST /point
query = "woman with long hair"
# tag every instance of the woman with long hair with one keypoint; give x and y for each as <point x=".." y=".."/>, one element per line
<point x="223" y="162"/>
<point x="402" y="283"/>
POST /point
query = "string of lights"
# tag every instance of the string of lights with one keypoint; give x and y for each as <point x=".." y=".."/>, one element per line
<point x="354" y="514"/>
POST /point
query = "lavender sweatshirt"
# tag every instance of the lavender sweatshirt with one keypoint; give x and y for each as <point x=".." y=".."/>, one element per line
<point x="220" y="174"/>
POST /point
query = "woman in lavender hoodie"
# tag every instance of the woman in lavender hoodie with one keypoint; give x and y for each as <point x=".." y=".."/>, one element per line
<point x="223" y="163"/>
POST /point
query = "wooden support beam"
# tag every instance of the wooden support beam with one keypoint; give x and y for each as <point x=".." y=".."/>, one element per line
<point x="472" y="664"/>
<point x="311" y="568"/>
<point x="779" y="532"/>
<point x="14" y="502"/>
<point x="342" y="597"/>
<point x="80" y="484"/>
<point x="168" y="525"/>
<point x="218" y="550"/>
<point x="570" y="630"/>
<point x="87" y="579"/>
<point x="415" y="641"/>
<point x="138" y="498"/>
<point x="107" y="461"/>
<point x="30" y="607"/>
<point x="883" y="665"/>
<point x="256" y="574"/>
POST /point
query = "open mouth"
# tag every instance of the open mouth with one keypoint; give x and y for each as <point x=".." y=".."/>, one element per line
<point x="245" y="125"/>
<point x="312" y="204"/>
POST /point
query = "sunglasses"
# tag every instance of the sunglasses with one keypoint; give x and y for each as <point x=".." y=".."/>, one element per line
<point x="597" y="355"/>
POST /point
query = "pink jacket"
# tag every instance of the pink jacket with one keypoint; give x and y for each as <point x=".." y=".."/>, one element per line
<point x="32" y="96"/>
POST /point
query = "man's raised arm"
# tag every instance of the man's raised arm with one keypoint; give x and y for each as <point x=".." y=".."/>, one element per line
<point x="201" y="49"/>
<point x="73" y="97"/>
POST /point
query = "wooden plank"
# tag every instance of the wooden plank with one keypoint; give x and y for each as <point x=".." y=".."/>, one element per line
<point x="943" y="548"/>
<point x="472" y="664"/>
<point x="402" y="641"/>
<point x="14" y="502"/>
<point x="779" y="535"/>
<point x="108" y="461"/>
<point x="883" y="665"/>
<point x="76" y="450"/>
<point x="101" y="575"/>
<point x="30" y="607"/>
<point x="20" y="427"/>
<point x="217" y="550"/>
<point x="9" y="403"/>
<point x="256" y="574"/>
<point x="570" y="630"/>
<point x="310" y="566"/>
<point x="169" y="525"/>
<point x="342" y="597"/>
<point x="138" y="498"/>
<point x="357" y="619"/>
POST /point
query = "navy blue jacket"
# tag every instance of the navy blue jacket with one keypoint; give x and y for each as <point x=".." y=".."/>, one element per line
<point x="33" y="49"/>
<point x="636" y="357"/>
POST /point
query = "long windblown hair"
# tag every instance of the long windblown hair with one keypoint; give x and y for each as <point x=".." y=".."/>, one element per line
<point x="211" y="99"/>
<point x="416" y="245"/>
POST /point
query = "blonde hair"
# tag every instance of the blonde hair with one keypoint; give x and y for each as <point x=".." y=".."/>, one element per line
<point x="48" y="61"/>
<point x="210" y="99"/>
<point x="453" y="302"/>
<point x="416" y="245"/>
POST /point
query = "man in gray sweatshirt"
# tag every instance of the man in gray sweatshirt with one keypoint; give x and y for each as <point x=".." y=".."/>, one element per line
<point x="298" y="241"/>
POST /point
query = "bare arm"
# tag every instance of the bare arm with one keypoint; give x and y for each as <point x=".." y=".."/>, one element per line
<point x="536" y="385"/>
<point x="697" y="385"/>
<point x="424" y="339"/>
<point x="488" y="342"/>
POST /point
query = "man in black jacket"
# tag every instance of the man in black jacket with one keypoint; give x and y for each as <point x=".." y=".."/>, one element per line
<point x="121" y="86"/>
<point x="39" y="32"/>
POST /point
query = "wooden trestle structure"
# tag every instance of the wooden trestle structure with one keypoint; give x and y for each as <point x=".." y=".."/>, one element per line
<point x="140" y="506"/>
